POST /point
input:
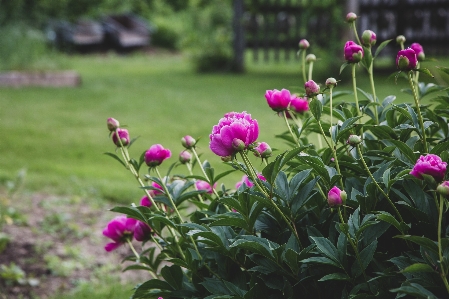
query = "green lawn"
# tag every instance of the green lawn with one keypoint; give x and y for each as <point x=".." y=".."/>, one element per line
<point x="59" y="134"/>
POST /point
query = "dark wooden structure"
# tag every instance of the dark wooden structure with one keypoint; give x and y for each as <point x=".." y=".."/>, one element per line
<point x="126" y="31"/>
<point x="422" y="21"/>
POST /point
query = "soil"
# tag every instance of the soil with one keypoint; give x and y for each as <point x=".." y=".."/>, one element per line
<point x="57" y="241"/>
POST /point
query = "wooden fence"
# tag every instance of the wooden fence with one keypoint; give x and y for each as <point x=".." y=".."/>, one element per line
<point x="272" y="28"/>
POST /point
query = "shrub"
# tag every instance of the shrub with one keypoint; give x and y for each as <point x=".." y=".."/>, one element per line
<point x="361" y="217"/>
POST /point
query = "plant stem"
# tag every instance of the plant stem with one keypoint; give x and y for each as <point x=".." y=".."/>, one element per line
<point x="377" y="185"/>
<point x="373" y="90"/>
<point x="418" y="110"/>
<point x="284" y="113"/>
<point x="255" y="179"/>
<point x="310" y="70"/>
<point x="354" y="86"/>
<point x="304" y="65"/>
<point x="204" y="172"/>
<point x="355" y="33"/>
<point x="189" y="167"/>
<point x="440" y="254"/>
<point x="126" y="157"/>
<point x="138" y="257"/>
<point x="168" y="193"/>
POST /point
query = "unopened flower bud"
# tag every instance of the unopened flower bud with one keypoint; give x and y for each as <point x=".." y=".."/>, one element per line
<point x="312" y="89"/>
<point x="406" y="60"/>
<point x="238" y="144"/>
<point x="351" y="17"/>
<point x="443" y="188"/>
<point x="185" y="157"/>
<point x="123" y="135"/>
<point x="310" y="58"/>
<point x="353" y="140"/>
<point x="400" y="39"/>
<point x="113" y="124"/>
<point x="419" y="51"/>
<point x="304" y="44"/>
<point x="331" y="82"/>
<point x="369" y="38"/>
<point x="335" y="197"/>
<point x="188" y="142"/>
<point x="263" y="150"/>
<point x="353" y="52"/>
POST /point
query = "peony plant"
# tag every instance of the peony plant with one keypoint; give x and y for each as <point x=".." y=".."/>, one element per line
<point x="362" y="215"/>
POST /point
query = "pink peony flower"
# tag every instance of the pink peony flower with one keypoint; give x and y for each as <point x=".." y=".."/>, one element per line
<point x="203" y="185"/>
<point x="262" y="150"/>
<point x="142" y="232"/>
<point x="336" y="197"/>
<point x="299" y="105"/>
<point x="188" y="142"/>
<point x="120" y="230"/>
<point x="430" y="165"/>
<point x="351" y="17"/>
<point x="156" y="154"/>
<point x="145" y="201"/>
<point x="232" y="127"/>
<point x="304" y="44"/>
<point x="113" y="124"/>
<point x="278" y="100"/>
<point x="419" y="51"/>
<point x="369" y="38"/>
<point x="353" y="52"/>
<point x="312" y="89"/>
<point x="406" y="60"/>
<point x="245" y="180"/>
<point x="124" y="137"/>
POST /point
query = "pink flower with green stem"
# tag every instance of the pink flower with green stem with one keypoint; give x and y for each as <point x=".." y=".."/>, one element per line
<point x="336" y="197"/>
<point x="353" y="52"/>
<point x="406" y="60"/>
<point x="123" y="135"/>
<point x="156" y="154"/>
<point x="262" y="150"/>
<point x="112" y="124"/>
<point x="429" y="165"/>
<point x="145" y="201"/>
<point x="142" y="231"/>
<point x="278" y="100"/>
<point x="203" y="185"/>
<point x="419" y="51"/>
<point x="234" y="128"/>
<point x="120" y="230"/>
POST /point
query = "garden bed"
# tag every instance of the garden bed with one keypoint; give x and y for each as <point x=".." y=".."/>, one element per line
<point x="43" y="78"/>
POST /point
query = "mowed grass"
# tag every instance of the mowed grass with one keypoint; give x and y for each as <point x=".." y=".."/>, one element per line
<point x="59" y="134"/>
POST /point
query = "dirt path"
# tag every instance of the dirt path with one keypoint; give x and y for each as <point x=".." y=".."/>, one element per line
<point x="58" y="245"/>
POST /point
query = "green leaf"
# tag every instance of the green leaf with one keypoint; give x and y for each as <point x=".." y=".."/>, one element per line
<point x="259" y="247"/>
<point x="415" y="290"/>
<point x="418" y="267"/>
<point x="335" y="276"/>
<point x="422" y="241"/>
<point x="425" y="71"/>
<point x="132" y="212"/>
<point x="173" y="276"/>
<point x="381" y="47"/>
<point x="403" y="152"/>
<point x="327" y="248"/>
<point x="443" y="69"/>
<point x="346" y="126"/>
<point x="439" y="148"/>
<point x="143" y="289"/>
<point x="222" y="175"/>
<point x="316" y="108"/>
<point x="322" y="260"/>
<point x="387" y="217"/>
<point x="231" y="221"/>
<point x="343" y="66"/>
<point x="382" y="132"/>
<point x="116" y="158"/>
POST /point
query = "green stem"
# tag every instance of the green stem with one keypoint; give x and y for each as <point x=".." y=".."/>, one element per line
<point x="189" y="167"/>
<point x="168" y="194"/>
<point x="156" y="242"/>
<point x="354" y="27"/>
<point x="138" y="256"/>
<point x="310" y="70"/>
<point x="304" y="65"/>
<point x="373" y="90"/>
<point x="255" y="179"/>
<point x="354" y="86"/>
<point x="440" y="219"/>
<point x="284" y="113"/>
<point x="204" y="172"/>
<point x="377" y="185"/>
<point x="126" y="157"/>
<point x="418" y="110"/>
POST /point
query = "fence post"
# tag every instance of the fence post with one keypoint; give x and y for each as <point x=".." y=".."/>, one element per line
<point x="239" y="37"/>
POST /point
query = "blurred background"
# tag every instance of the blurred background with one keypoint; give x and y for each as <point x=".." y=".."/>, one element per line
<point x="165" y="69"/>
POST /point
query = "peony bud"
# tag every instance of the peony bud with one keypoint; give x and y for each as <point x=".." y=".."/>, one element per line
<point x="419" y="51"/>
<point x="400" y="39"/>
<point x="142" y="232"/>
<point x="262" y="150"/>
<point x="156" y="154"/>
<point x="113" y="124"/>
<point x="188" y="142"/>
<point x="331" y="82"/>
<point x="304" y="44"/>
<point x="310" y="58"/>
<point x="312" y="89"/>
<point x="185" y="157"/>
<point x="278" y="100"/>
<point x="299" y="105"/>
<point x="353" y="140"/>
<point x="238" y="144"/>
<point x="353" y="52"/>
<point x="443" y="188"/>
<point x="124" y="137"/>
<point x="406" y="60"/>
<point x="369" y="38"/>
<point x="336" y="197"/>
<point x="351" y="17"/>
